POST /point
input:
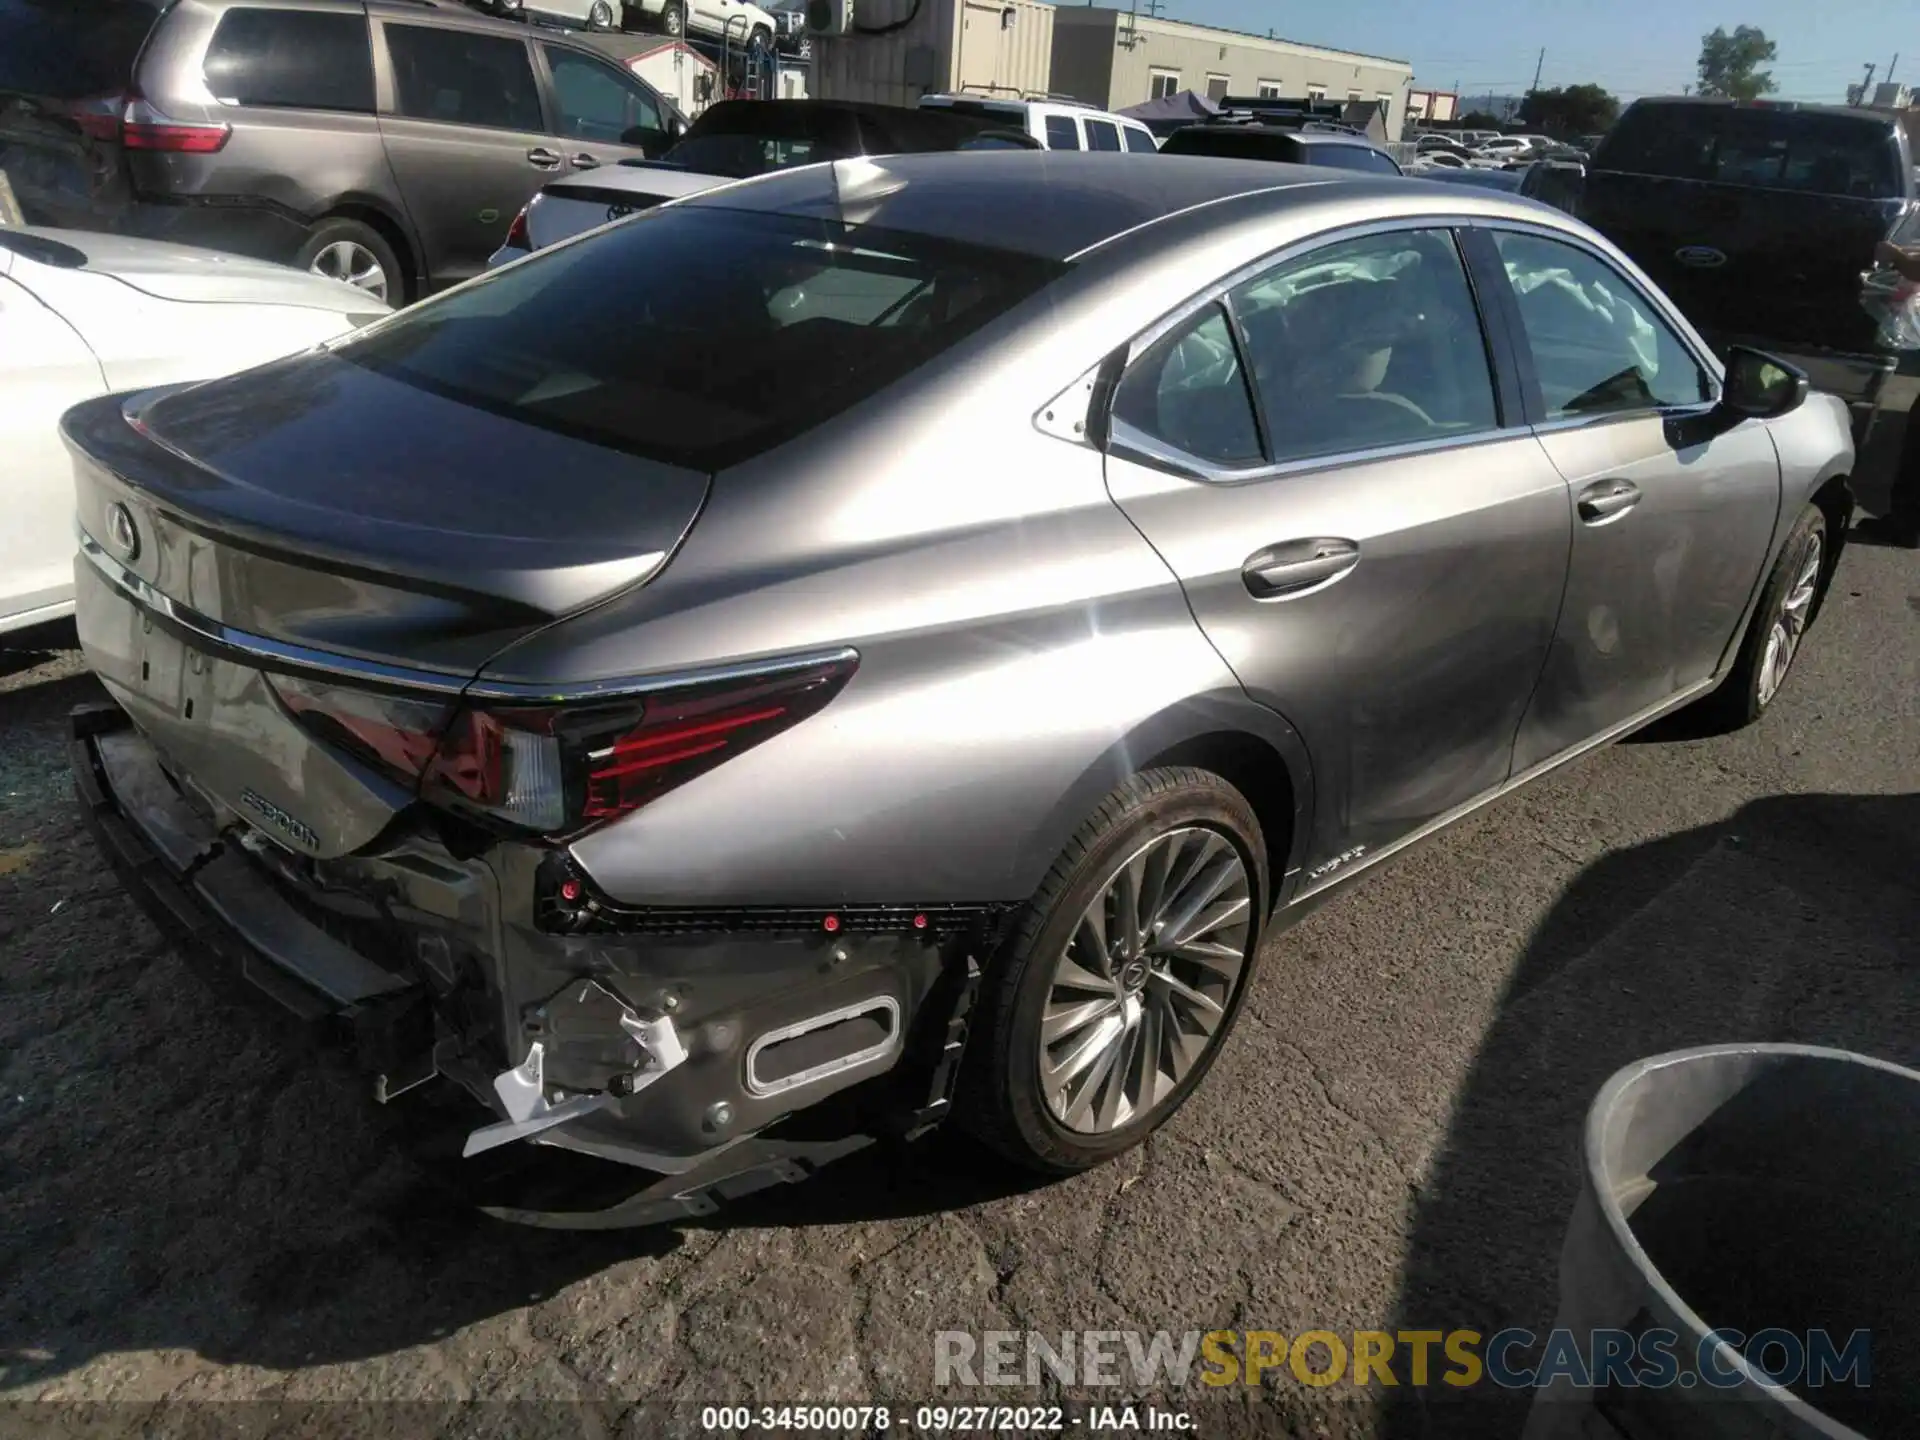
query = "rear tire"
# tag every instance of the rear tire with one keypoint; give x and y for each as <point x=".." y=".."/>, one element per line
<point x="1063" y="1073"/>
<point x="600" y="15"/>
<point x="673" y="20"/>
<point x="349" y="251"/>
<point x="1779" y="625"/>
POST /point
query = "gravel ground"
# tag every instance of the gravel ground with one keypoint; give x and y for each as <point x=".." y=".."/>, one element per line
<point x="190" y="1208"/>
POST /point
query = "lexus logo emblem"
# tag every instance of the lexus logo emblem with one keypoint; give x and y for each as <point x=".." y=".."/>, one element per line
<point x="121" y="531"/>
<point x="1700" y="257"/>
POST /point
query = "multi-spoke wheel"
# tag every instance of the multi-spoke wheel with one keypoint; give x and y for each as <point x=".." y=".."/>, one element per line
<point x="1113" y="999"/>
<point x="1140" y="991"/>
<point x="355" y="254"/>
<point x="1787" y="607"/>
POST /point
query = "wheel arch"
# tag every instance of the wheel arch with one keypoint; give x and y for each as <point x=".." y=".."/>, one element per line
<point x="1249" y="746"/>
<point x="1834" y="497"/>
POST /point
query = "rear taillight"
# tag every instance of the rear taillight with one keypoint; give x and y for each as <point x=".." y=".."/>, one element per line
<point x="561" y="770"/>
<point x="518" y="236"/>
<point x="144" y="128"/>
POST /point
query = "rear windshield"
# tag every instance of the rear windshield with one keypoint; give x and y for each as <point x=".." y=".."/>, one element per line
<point x="1771" y="149"/>
<point x="72" y="49"/>
<point x="1234" y="145"/>
<point x="700" y="335"/>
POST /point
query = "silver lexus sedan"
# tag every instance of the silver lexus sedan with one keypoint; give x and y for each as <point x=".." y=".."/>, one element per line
<point x="901" y="633"/>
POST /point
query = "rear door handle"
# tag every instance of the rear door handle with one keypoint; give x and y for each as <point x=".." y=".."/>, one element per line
<point x="584" y="161"/>
<point x="543" y="158"/>
<point x="1606" y="500"/>
<point x="1296" y="566"/>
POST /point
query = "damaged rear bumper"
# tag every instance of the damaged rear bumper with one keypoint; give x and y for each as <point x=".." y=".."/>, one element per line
<point x="681" y="1054"/>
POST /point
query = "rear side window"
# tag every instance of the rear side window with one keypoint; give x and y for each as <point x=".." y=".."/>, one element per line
<point x="1823" y="154"/>
<point x="72" y="50"/>
<point x="1103" y="135"/>
<point x="464" y="79"/>
<point x="1062" y="133"/>
<point x="699" y="335"/>
<point x="1140" y="141"/>
<point x="1189" y="391"/>
<point x="298" y="59"/>
<point x="1671" y="140"/>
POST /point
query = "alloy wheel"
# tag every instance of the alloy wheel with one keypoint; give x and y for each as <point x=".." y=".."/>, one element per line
<point x="1140" y="992"/>
<point x="353" y="263"/>
<point x="672" y="20"/>
<point x="600" y="16"/>
<point x="1783" y="640"/>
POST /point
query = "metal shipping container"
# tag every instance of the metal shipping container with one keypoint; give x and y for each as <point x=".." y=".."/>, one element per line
<point x="999" y="48"/>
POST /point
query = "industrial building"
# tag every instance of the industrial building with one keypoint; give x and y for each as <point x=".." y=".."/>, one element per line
<point x="1115" y="58"/>
<point x="900" y="50"/>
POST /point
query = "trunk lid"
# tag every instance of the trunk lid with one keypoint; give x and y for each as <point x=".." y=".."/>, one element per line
<point x="320" y="504"/>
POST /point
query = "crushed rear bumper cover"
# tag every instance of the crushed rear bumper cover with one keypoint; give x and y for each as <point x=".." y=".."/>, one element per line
<point x="585" y="1068"/>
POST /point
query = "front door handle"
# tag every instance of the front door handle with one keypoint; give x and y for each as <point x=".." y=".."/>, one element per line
<point x="1296" y="566"/>
<point x="584" y="161"/>
<point x="543" y="159"/>
<point x="1606" y="500"/>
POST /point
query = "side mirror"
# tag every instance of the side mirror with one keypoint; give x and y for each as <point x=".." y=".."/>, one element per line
<point x="1760" y="387"/>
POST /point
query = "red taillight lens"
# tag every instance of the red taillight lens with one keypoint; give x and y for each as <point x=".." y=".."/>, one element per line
<point x="175" y="139"/>
<point x="399" y="734"/>
<point x="560" y="770"/>
<point x="518" y="237"/>
<point x="686" y="733"/>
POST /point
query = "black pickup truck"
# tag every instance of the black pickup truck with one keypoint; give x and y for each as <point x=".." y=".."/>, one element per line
<point x="1759" y="219"/>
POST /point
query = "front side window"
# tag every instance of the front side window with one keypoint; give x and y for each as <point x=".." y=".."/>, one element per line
<point x="1188" y="392"/>
<point x="297" y="59"/>
<point x="1598" y="346"/>
<point x="594" y="102"/>
<point x="699" y="335"/>
<point x="1103" y="135"/>
<point x="1140" y="142"/>
<point x="464" y="79"/>
<point x="1062" y="133"/>
<point x="1367" y="342"/>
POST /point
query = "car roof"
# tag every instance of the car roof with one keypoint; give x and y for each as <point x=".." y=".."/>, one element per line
<point x="1783" y="107"/>
<point x="1057" y="204"/>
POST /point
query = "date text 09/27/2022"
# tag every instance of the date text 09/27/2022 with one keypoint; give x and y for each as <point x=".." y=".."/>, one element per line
<point x="941" y="1419"/>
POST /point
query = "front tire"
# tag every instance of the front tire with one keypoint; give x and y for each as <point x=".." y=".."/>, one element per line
<point x="1111" y="1001"/>
<point x="673" y="20"/>
<point x="600" y="15"/>
<point x="1779" y="624"/>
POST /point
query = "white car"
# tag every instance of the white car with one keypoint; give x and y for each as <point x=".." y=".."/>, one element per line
<point x="1056" y="124"/>
<point x="735" y="20"/>
<point x="612" y="192"/>
<point x="587" y="14"/>
<point x="83" y="314"/>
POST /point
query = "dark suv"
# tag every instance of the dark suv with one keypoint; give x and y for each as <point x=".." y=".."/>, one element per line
<point x="1759" y="220"/>
<point x="387" y="142"/>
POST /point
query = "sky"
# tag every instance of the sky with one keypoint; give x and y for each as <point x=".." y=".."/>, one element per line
<point x="1632" y="47"/>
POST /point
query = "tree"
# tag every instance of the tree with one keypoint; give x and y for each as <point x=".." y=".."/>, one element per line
<point x="1576" y="110"/>
<point x="1478" y="120"/>
<point x="1730" y="64"/>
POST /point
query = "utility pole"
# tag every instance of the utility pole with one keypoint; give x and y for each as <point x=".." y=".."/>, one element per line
<point x="1537" y="65"/>
<point x="1866" y="85"/>
<point x="1893" y="66"/>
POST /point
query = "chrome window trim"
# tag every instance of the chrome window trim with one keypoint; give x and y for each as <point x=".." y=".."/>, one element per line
<point x="1128" y="443"/>
<point x="1682" y="329"/>
<point x="1132" y="443"/>
<point x="285" y="656"/>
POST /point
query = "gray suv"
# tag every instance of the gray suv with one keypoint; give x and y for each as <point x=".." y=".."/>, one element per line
<point x="387" y="143"/>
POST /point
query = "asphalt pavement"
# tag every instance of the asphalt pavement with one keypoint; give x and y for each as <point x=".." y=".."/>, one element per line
<point x="191" y="1209"/>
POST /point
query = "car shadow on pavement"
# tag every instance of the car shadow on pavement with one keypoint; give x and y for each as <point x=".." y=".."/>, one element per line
<point x="1797" y="920"/>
